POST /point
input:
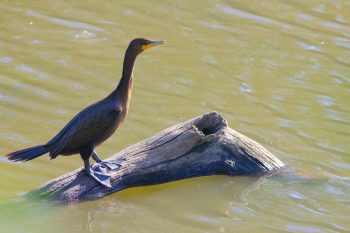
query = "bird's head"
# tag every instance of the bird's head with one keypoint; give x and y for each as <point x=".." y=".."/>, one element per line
<point x="139" y="45"/>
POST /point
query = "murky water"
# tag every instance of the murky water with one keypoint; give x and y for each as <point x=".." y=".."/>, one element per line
<point x="278" y="71"/>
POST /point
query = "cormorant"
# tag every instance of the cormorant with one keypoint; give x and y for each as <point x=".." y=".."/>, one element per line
<point x="94" y="124"/>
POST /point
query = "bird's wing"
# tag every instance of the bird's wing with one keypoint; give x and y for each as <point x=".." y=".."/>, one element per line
<point x="90" y="125"/>
<point x="73" y="121"/>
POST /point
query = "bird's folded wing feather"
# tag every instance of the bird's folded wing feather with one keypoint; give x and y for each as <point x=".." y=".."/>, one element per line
<point x="88" y="126"/>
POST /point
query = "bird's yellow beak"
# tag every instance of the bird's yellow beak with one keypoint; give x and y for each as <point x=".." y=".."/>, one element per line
<point x="152" y="43"/>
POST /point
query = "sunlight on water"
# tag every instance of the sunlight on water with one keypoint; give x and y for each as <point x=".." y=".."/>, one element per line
<point x="278" y="71"/>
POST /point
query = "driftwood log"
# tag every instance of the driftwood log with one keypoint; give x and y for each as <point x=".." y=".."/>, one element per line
<point x="199" y="147"/>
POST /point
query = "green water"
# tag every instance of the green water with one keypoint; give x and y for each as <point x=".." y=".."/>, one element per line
<point x="278" y="71"/>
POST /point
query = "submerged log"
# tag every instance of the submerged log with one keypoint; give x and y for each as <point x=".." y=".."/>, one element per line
<point x="199" y="147"/>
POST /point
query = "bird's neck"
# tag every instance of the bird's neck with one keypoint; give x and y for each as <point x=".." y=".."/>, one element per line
<point x="123" y="90"/>
<point x="128" y="66"/>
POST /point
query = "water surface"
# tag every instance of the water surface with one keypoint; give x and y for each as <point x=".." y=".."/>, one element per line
<point x="278" y="71"/>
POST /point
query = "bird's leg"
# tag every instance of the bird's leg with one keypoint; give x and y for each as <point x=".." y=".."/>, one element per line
<point x="95" y="156"/>
<point x="99" y="175"/>
<point x="111" y="165"/>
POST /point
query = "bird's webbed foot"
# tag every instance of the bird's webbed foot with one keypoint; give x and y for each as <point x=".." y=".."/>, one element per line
<point x="106" y="166"/>
<point x="99" y="171"/>
<point x="98" y="175"/>
<point x="112" y="164"/>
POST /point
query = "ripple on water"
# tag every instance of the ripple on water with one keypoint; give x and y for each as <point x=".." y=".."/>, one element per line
<point x="342" y="165"/>
<point x="29" y="70"/>
<point x="325" y="100"/>
<point x="340" y="78"/>
<point x="342" y="42"/>
<point x="84" y="35"/>
<point x="6" y="59"/>
<point x="64" y="22"/>
<point x="309" y="47"/>
<point x="246" y="88"/>
<point x="3" y="97"/>
<point x="243" y="14"/>
<point x="302" y="228"/>
<point x="15" y="137"/>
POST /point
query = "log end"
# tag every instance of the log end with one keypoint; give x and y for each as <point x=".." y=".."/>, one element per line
<point x="210" y="123"/>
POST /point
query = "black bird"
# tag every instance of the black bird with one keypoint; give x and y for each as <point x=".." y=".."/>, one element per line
<point x="94" y="124"/>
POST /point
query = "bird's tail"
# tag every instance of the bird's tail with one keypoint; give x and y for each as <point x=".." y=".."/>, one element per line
<point x="27" y="154"/>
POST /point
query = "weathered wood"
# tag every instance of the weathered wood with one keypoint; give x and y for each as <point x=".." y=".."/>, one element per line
<point x="199" y="147"/>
